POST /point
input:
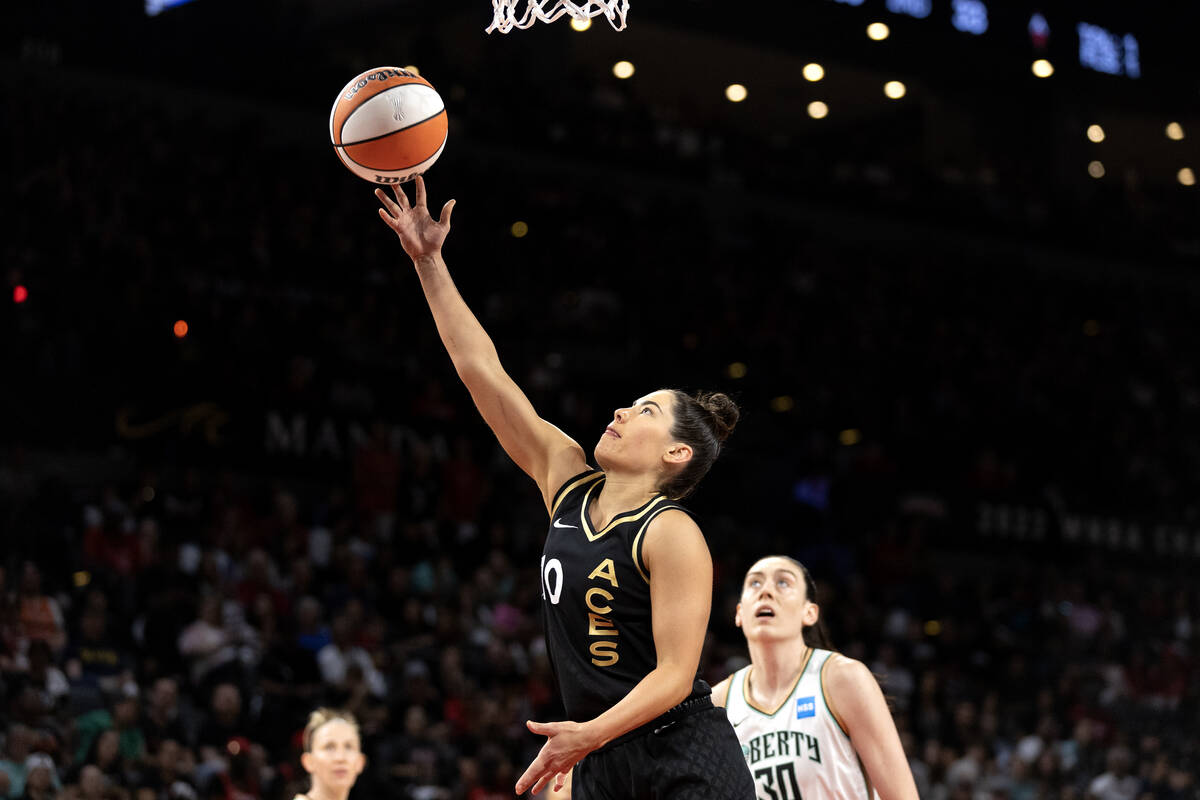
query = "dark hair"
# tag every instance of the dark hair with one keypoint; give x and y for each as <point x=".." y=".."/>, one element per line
<point x="702" y="422"/>
<point x="814" y="635"/>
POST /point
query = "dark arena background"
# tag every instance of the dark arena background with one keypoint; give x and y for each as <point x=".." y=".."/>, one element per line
<point x="239" y="477"/>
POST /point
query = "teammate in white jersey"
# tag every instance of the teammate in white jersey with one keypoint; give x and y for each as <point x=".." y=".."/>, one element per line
<point x="813" y="723"/>
<point x="332" y="754"/>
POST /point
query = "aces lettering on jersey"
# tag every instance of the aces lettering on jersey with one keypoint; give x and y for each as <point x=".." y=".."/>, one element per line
<point x="597" y="599"/>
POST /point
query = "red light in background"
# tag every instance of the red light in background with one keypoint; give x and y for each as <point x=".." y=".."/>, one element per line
<point x="20" y="294"/>
<point x="181" y="329"/>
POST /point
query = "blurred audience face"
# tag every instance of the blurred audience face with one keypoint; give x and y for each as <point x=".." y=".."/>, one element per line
<point x="20" y="740"/>
<point x="168" y="758"/>
<point x="39" y="778"/>
<point x="92" y="783"/>
<point x="164" y="697"/>
<point x="31" y="579"/>
<point x="227" y="702"/>
<point x="108" y="748"/>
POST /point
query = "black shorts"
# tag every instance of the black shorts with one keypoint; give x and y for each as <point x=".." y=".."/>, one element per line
<point x="696" y="757"/>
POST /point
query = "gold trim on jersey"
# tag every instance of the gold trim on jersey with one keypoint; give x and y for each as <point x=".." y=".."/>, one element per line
<point x="572" y="486"/>
<point x="633" y="551"/>
<point x="632" y="516"/>
<point x="825" y="697"/>
<point x="746" y="694"/>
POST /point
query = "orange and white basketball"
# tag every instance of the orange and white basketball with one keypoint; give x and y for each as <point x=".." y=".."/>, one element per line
<point x="388" y="125"/>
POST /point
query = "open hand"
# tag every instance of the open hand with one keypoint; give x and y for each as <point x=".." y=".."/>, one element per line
<point x="566" y="744"/>
<point x="420" y="234"/>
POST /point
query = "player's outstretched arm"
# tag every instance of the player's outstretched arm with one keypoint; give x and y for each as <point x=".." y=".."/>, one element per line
<point x="544" y="452"/>
<point x="858" y="704"/>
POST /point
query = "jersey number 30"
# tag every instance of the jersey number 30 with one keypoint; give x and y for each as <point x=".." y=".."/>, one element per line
<point x="771" y="780"/>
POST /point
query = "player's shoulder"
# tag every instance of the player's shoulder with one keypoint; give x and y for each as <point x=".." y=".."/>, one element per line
<point x="849" y="686"/>
<point x="839" y="669"/>
<point x="673" y="531"/>
<point x="720" y="692"/>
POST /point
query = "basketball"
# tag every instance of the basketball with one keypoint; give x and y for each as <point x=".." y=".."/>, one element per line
<point x="388" y="125"/>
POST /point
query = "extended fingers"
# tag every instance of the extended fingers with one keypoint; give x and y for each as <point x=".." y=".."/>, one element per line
<point x="390" y="207"/>
<point x="541" y="784"/>
<point x="420" y="203"/>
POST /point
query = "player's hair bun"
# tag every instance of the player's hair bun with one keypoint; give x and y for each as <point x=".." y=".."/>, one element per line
<point x="723" y="411"/>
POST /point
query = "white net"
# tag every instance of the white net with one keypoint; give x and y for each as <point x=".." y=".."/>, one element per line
<point x="507" y="17"/>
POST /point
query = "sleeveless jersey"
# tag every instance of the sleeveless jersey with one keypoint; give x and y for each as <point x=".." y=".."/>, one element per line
<point x="596" y="599"/>
<point x="798" y="750"/>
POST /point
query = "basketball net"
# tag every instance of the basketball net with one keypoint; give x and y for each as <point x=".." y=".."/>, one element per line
<point x="549" y="10"/>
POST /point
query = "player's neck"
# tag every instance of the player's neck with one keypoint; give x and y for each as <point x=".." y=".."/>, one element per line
<point x="776" y="668"/>
<point x="620" y="493"/>
<point x="324" y="793"/>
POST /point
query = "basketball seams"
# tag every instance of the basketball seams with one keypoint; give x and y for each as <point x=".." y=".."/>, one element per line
<point x="342" y="151"/>
<point x="342" y="108"/>
<point x="389" y="133"/>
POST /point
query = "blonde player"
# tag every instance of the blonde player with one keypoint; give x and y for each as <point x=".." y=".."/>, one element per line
<point x="813" y="723"/>
<point x="332" y="754"/>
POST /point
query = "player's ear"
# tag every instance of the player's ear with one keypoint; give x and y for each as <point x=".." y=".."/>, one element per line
<point x="812" y="613"/>
<point x="306" y="762"/>
<point x="737" y="615"/>
<point x="678" y="453"/>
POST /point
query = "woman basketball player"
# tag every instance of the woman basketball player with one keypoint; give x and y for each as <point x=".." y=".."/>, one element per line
<point x="626" y="574"/>
<point x="332" y="754"/>
<point x="812" y="723"/>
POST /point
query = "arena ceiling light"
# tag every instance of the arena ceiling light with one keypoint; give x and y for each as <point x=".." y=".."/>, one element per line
<point x="1042" y="68"/>
<point x="818" y="110"/>
<point x="1175" y="132"/>
<point x="895" y="89"/>
<point x="1095" y="133"/>
<point x="813" y="72"/>
<point x="735" y="92"/>
<point x="878" y="31"/>
<point x="623" y="69"/>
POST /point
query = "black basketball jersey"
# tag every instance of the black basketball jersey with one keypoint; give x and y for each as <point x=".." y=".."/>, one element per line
<point x="596" y="599"/>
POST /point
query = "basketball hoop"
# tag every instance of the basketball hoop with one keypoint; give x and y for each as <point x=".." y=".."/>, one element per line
<point x="549" y="10"/>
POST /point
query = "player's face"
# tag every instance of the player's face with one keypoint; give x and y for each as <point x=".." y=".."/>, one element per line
<point x="639" y="436"/>
<point x="335" y="760"/>
<point x="774" y="603"/>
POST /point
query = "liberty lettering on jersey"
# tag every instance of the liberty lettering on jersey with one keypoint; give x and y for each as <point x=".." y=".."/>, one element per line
<point x="782" y="744"/>
<point x="597" y="599"/>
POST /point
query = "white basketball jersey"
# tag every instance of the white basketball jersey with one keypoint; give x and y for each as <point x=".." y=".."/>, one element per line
<point x="799" y="750"/>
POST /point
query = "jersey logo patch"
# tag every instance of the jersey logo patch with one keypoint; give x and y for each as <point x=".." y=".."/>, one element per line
<point x="558" y="523"/>
<point x="806" y="707"/>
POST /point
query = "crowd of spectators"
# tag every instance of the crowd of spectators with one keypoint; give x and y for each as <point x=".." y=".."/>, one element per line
<point x="175" y="598"/>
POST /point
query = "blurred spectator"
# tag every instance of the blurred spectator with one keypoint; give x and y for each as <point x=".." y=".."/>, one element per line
<point x="225" y="721"/>
<point x="336" y="658"/>
<point x="41" y="778"/>
<point x="95" y="658"/>
<point x="40" y="615"/>
<point x="1116" y="782"/>
<point x="161" y="716"/>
